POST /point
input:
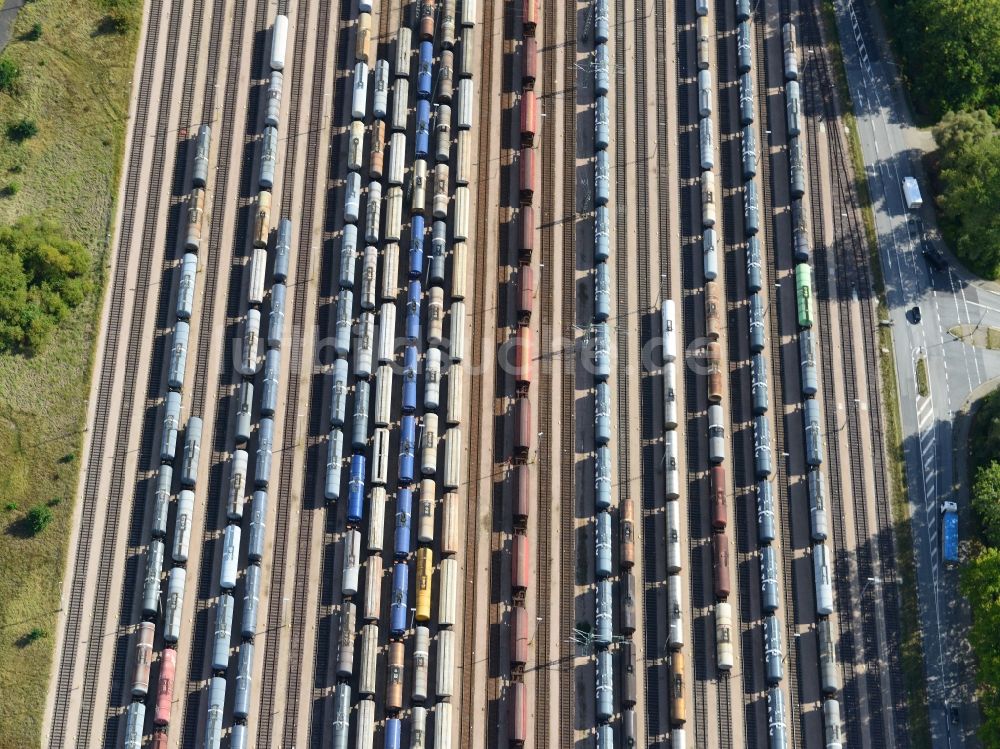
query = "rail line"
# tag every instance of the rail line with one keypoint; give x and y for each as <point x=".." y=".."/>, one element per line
<point x="303" y="263"/>
<point x="783" y="506"/>
<point x="328" y="265"/>
<point x="154" y="386"/>
<point x="475" y="415"/>
<point x="652" y="529"/>
<point x="106" y="568"/>
<point x="649" y="439"/>
<point x="92" y="499"/>
<point x="501" y="534"/>
<point x="545" y="359"/>
<point x="737" y="323"/>
<point x="741" y="477"/>
<point x="692" y="323"/>
<point x="199" y="626"/>
<point x="567" y="468"/>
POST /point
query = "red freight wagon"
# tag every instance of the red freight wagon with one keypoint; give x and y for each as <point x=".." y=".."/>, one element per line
<point x="519" y="635"/>
<point x="527" y="164"/>
<point x="719" y="514"/>
<point x="720" y="565"/>
<point x="523" y="374"/>
<point x="522" y="432"/>
<point x="523" y="498"/>
<point x="529" y="70"/>
<point x="527" y="238"/>
<point x="521" y="567"/>
<point x="525" y="294"/>
<point x="529" y="114"/>
<point x="518" y="713"/>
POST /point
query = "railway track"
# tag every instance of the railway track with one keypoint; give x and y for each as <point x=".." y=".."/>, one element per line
<point x="742" y="478"/>
<point x="303" y="264"/>
<point x="567" y="468"/>
<point x="649" y="439"/>
<point x="478" y="390"/>
<point x="778" y="403"/>
<point x="729" y="197"/>
<point x="502" y="537"/>
<point x="693" y="325"/>
<point x="329" y="265"/>
<point x="92" y="498"/>
<point x="154" y="385"/>
<point x="545" y="359"/>
<point x="210" y="539"/>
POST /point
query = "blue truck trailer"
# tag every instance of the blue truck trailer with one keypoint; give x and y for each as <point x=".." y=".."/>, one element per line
<point x="949" y="532"/>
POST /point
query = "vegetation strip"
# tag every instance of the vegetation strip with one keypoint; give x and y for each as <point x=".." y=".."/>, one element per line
<point x="60" y="157"/>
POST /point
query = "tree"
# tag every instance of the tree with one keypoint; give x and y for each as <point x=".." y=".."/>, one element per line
<point x="959" y="131"/>
<point x="971" y="194"/>
<point x="39" y="518"/>
<point x="43" y="277"/>
<point x="986" y="501"/>
<point x="981" y="585"/>
<point x="970" y="174"/>
<point x="953" y="51"/>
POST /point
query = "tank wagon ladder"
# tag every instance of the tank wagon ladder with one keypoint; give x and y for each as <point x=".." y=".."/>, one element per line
<point x="848" y="224"/>
<point x="783" y="506"/>
<point x="71" y="638"/>
<point x="203" y="597"/>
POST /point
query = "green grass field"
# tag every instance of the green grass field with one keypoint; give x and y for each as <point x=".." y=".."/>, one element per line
<point x="74" y="84"/>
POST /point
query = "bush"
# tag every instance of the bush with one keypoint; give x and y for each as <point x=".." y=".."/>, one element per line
<point x="22" y="130"/>
<point x="10" y="506"/>
<point x="43" y="277"/>
<point x="10" y="75"/>
<point x="39" y="518"/>
<point x="124" y="16"/>
<point x="11" y="189"/>
<point x="35" y="33"/>
<point x="36" y="634"/>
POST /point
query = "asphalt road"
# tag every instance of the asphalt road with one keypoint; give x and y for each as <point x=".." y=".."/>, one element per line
<point x="945" y="299"/>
